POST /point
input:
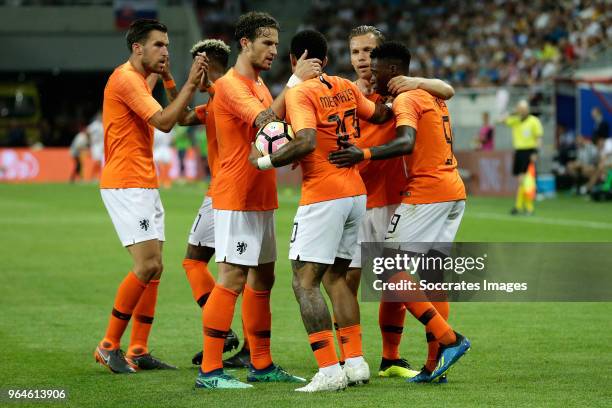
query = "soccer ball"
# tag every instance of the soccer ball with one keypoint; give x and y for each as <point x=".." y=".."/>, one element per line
<point x="273" y="136"/>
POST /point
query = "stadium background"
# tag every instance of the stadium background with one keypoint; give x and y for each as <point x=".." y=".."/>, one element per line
<point x="58" y="246"/>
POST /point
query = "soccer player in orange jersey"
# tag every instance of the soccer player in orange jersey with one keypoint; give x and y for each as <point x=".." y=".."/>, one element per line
<point x="129" y="187"/>
<point x="244" y="203"/>
<point x="323" y="112"/>
<point x="433" y="196"/>
<point x="201" y="241"/>
<point x="384" y="180"/>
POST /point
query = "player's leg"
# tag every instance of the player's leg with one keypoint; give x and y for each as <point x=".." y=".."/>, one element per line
<point x="217" y="315"/>
<point x="317" y="321"/>
<point x="317" y="232"/>
<point x="353" y="276"/>
<point x="256" y="312"/>
<point x="200" y="249"/>
<point x="346" y="310"/>
<point x="519" y="169"/>
<point x="344" y="301"/>
<point x="138" y="219"/>
<point x="391" y="315"/>
<point x="147" y="265"/>
<point x="138" y="354"/>
<point x="441" y="250"/>
<point x="235" y="256"/>
<point x="414" y="228"/>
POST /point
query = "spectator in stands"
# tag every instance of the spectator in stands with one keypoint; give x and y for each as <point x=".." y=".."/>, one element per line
<point x="583" y="167"/>
<point x="477" y="43"/>
<point x="486" y="134"/>
<point x="604" y="164"/>
<point x="601" y="130"/>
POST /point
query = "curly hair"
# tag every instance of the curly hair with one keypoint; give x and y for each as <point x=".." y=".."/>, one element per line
<point x="310" y="40"/>
<point x="251" y="25"/>
<point x="139" y="31"/>
<point x="216" y="50"/>
<point x="392" y="50"/>
<point x="367" y="29"/>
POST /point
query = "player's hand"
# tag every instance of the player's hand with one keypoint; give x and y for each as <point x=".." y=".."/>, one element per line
<point x="307" y="68"/>
<point x="205" y="82"/>
<point x="200" y="64"/>
<point x="348" y="156"/>
<point x="254" y="155"/>
<point x="401" y="83"/>
<point x="165" y="73"/>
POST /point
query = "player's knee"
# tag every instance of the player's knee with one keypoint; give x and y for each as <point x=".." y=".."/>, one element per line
<point x="233" y="281"/>
<point x="149" y="269"/>
<point x="304" y="282"/>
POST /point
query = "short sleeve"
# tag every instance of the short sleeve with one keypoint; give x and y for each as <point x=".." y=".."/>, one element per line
<point x="236" y="97"/>
<point x="135" y="93"/>
<point x="300" y="109"/>
<point x="512" y="120"/>
<point x="407" y="110"/>
<point x="200" y="112"/>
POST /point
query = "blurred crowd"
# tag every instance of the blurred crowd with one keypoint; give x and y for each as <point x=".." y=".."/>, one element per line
<point x="473" y="43"/>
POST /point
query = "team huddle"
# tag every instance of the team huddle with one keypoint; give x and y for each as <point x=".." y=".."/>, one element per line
<point x="377" y="165"/>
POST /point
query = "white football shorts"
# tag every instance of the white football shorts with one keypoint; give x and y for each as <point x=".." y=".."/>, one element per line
<point x="137" y="213"/>
<point x="422" y="227"/>
<point x="373" y="228"/>
<point x="244" y="237"/>
<point x="202" y="231"/>
<point x="327" y="230"/>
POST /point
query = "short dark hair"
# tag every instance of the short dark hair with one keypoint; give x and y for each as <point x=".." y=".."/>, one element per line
<point x="250" y="25"/>
<point x="139" y="31"/>
<point x="367" y="29"/>
<point x="392" y="50"/>
<point x="310" y="40"/>
<point x="216" y="50"/>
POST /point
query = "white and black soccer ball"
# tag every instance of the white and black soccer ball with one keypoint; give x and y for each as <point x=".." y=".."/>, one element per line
<point x="273" y="136"/>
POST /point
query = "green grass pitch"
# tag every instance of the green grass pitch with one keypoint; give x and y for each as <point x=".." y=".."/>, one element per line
<point x="61" y="263"/>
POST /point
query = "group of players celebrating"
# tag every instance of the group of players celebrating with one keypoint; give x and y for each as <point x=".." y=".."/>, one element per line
<point x="377" y="164"/>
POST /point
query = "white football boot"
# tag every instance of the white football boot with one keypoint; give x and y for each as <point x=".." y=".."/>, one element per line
<point x="359" y="374"/>
<point x="324" y="382"/>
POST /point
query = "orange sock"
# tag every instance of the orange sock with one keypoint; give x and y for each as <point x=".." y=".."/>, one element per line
<point x="217" y="317"/>
<point x="391" y="317"/>
<point x="339" y="340"/>
<point x="245" y="345"/>
<point x="143" y="319"/>
<point x="432" y="344"/>
<point x="350" y="337"/>
<point x="200" y="279"/>
<point x="257" y="320"/>
<point x="127" y="297"/>
<point x="434" y="323"/>
<point x="322" y="344"/>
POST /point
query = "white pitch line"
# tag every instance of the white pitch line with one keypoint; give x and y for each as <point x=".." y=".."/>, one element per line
<point x="540" y="220"/>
